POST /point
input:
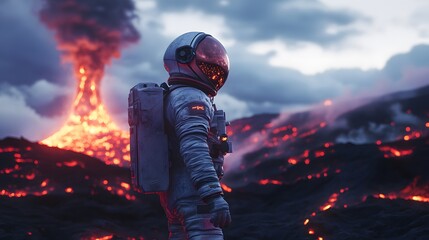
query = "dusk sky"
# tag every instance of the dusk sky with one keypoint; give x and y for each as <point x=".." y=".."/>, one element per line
<point x="287" y="55"/>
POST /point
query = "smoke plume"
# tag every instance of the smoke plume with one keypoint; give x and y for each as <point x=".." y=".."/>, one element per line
<point x="90" y="32"/>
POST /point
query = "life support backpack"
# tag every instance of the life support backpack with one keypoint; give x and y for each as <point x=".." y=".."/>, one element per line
<point x="148" y="140"/>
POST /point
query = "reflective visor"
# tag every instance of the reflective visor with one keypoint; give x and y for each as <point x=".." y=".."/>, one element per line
<point x="212" y="59"/>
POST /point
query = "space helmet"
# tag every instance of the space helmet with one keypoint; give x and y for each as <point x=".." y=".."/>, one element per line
<point x="197" y="59"/>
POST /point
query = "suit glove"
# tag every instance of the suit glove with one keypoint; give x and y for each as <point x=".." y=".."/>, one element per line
<point x="219" y="210"/>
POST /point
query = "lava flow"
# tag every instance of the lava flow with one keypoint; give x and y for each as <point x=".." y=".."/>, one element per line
<point x="89" y="128"/>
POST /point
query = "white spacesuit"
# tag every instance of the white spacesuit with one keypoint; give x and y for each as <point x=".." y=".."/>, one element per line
<point x="198" y="66"/>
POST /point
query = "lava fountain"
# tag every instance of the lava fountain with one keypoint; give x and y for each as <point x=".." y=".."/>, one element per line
<point x="89" y="128"/>
<point x="89" y="35"/>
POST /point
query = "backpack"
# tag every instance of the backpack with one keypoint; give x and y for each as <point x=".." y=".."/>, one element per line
<point x="149" y="143"/>
<point x="148" y="140"/>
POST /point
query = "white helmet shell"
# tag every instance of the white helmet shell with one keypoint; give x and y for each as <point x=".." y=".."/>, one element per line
<point x="199" y="60"/>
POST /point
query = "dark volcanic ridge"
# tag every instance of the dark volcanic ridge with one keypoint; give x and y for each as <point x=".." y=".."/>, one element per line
<point x="402" y="116"/>
<point x="353" y="192"/>
<point x="301" y="177"/>
<point x="50" y="193"/>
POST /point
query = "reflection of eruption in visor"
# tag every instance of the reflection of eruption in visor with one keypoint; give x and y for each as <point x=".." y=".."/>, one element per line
<point x="214" y="72"/>
<point x="212" y="60"/>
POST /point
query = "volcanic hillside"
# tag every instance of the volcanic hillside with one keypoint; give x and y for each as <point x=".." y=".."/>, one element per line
<point x="362" y="175"/>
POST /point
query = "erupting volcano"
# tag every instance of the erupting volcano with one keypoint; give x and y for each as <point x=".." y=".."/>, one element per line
<point x="90" y="34"/>
<point x="89" y="128"/>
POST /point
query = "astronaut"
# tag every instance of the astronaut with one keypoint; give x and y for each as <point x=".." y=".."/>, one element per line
<point x="198" y="66"/>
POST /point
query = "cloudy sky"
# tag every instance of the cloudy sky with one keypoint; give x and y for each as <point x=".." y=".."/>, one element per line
<point x="286" y="55"/>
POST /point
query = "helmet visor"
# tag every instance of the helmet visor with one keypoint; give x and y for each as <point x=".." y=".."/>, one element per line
<point x="213" y="61"/>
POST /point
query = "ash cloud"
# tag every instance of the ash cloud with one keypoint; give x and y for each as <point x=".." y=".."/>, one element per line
<point x="90" y="32"/>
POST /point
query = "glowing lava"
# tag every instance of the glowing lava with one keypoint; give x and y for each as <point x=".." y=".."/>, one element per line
<point x="89" y="129"/>
<point x="412" y="192"/>
<point x="390" y="152"/>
